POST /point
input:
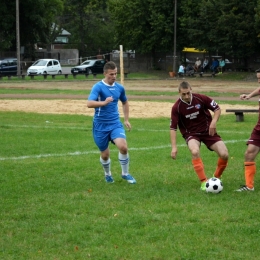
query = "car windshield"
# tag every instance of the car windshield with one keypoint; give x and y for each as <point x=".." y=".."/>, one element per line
<point x="88" y="62"/>
<point x="40" y="63"/>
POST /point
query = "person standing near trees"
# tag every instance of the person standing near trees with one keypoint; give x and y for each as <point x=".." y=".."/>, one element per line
<point x="191" y="114"/>
<point x="107" y="127"/>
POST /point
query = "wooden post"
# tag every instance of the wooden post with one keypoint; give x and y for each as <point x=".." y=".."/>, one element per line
<point x="121" y="65"/>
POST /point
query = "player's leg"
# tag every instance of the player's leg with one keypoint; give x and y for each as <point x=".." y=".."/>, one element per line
<point x="106" y="164"/>
<point x="119" y="139"/>
<point x="123" y="155"/>
<point x="250" y="167"/>
<point x="101" y="138"/>
<point x="222" y="151"/>
<point x="253" y="148"/>
<point x="194" y="147"/>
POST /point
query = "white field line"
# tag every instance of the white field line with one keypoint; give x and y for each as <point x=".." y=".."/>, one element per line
<point x="47" y="127"/>
<point x="87" y="128"/>
<point x="95" y="152"/>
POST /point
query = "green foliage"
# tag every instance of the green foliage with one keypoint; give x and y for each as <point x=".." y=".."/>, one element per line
<point x="36" y="18"/>
<point x="144" y="26"/>
<point x="221" y="26"/>
<point x="90" y="26"/>
<point x="55" y="203"/>
<point x="7" y="21"/>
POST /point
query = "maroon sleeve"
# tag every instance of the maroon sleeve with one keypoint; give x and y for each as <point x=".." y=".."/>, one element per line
<point x="210" y="103"/>
<point x="174" y="117"/>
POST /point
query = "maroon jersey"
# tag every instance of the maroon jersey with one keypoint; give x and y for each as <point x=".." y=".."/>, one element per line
<point x="255" y="135"/>
<point x="193" y="118"/>
<point x="257" y="126"/>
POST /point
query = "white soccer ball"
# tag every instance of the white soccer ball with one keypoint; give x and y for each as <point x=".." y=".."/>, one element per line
<point x="214" y="185"/>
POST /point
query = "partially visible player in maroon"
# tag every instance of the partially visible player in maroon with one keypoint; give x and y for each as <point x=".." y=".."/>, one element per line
<point x="253" y="145"/>
<point x="191" y="113"/>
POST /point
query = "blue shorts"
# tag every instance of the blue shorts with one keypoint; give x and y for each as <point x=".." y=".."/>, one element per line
<point x="105" y="133"/>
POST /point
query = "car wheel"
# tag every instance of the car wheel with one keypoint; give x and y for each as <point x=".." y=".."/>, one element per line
<point x="88" y="72"/>
<point x="44" y="73"/>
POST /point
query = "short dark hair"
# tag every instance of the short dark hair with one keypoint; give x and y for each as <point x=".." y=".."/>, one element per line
<point x="110" y="65"/>
<point x="185" y="85"/>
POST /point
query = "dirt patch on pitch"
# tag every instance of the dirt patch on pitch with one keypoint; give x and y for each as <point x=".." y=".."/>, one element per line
<point x="138" y="109"/>
<point x="66" y="104"/>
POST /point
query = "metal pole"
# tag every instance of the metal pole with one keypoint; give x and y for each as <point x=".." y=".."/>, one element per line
<point x="175" y="32"/>
<point x="121" y="64"/>
<point x="18" y="39"/>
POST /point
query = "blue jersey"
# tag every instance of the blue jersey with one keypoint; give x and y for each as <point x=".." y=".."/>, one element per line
<point x="109" y="113"/>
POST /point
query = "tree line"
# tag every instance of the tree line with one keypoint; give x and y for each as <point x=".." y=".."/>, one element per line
<point x="229" y="27"/>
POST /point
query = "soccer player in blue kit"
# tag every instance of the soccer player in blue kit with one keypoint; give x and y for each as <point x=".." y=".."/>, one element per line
<point x="107" y="127"/>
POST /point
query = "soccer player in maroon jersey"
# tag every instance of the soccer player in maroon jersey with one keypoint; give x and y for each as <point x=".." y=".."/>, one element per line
<point x="191" y="113"/>
<point x="253" y="145"/>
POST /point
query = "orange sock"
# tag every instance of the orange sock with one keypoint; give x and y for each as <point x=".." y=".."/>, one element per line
<point x="221" y="166"/>
<point x="199" y="169"/>
<point x="250" y="171"/>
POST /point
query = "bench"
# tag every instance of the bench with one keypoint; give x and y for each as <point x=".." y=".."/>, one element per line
<point x="244" y="69"/>
<point x="45" y="76"/>
<point x="86" y="75"/>
<point x="95" y="74"/>
<point x="125" y="72"/>
<point x="240" y="113"/>
<point x="205" y="74"/>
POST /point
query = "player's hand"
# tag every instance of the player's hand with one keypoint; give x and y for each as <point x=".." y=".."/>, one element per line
<point x="109" y="100"/>
<point x="212" y="128"/>
<point x="174" y="153"/>
<point x="128" y="125"/>
<point x="212" y="131"/>
<point x="244" y="97"/>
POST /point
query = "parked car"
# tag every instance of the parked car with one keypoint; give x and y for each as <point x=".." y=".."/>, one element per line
<point x="45" y="66"/>
<point x="8" y="66"/>
<point x="89" y="67"/>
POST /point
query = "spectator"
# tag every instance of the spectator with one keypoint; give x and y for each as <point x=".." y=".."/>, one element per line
<point x="205" y="66"/>
<point x="214" y="66"/>
<point x="190" y="70"/>
<point x="181" y="71"/>
<point x="221" y="65"/>
<point x="197" y="65"/>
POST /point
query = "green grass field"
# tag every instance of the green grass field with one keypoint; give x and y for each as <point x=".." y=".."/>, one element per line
<point x="55" y="203"/>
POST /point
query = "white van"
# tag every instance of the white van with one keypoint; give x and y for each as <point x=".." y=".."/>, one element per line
<point x="45" y="66"/>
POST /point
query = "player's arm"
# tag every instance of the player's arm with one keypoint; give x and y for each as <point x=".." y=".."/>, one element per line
<point x="95" y="103"/>
<point x="254" y="93"/>
<point x="213" y="124"/>
<point x="126" y="114"/>
<point x="173" y="135"/>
